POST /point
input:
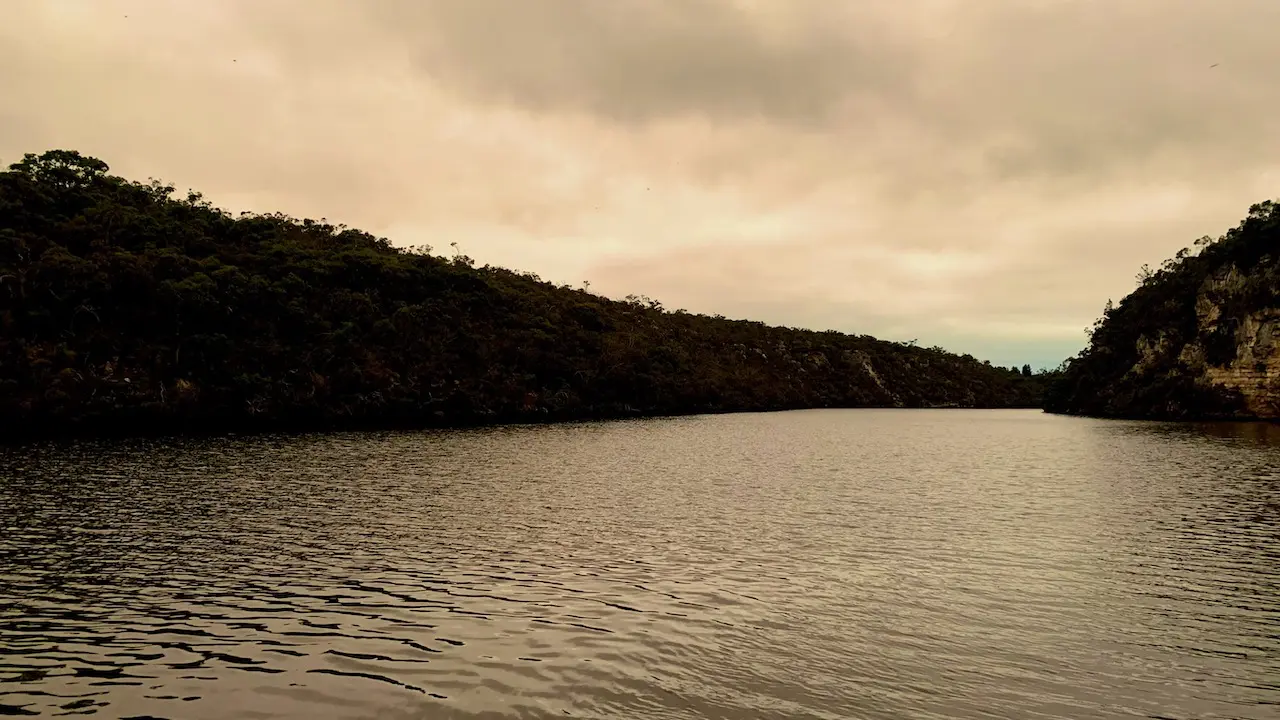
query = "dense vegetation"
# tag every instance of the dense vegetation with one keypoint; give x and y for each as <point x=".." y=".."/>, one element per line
<point x="126" y="308"/>
<point x="1147" y="355"/>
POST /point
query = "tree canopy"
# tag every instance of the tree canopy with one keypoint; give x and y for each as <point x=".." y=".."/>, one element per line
<point x="127" y="307"/>
<point x="1147" y="354"/>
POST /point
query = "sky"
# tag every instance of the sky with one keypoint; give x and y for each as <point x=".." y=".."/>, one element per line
<point x="977" y="174"/>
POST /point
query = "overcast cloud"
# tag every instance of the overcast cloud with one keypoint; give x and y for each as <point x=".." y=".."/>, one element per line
<point x="980" y="174"/>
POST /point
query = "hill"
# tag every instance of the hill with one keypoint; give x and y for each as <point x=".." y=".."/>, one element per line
<point x="127" y="308"/>
<point x="1198" y="339"/>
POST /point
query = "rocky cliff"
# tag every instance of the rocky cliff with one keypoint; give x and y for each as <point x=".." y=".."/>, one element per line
<point x="1252" y="367"/>
<point x="1199" y="338"/>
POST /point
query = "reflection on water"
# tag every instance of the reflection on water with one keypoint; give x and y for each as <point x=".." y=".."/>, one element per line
<point x="818" y="564"/>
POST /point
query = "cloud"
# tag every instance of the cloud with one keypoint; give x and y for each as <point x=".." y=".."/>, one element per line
<point x="981" y="174"/>
<point x="635" y="61"/>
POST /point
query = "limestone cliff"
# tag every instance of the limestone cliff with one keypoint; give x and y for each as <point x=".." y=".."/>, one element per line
<point x="1199" y="338"/>
<point x="1253" y="366"/>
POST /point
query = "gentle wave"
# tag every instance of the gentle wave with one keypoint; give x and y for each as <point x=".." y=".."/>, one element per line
<point x="822" y="564"/>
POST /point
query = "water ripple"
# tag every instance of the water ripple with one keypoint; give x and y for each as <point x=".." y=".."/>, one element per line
<point x="822" y="564"/>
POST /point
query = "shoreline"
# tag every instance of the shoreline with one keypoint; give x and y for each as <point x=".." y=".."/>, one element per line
<point x="164" y="428"/>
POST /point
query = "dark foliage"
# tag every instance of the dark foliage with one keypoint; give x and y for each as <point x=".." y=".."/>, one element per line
<point x="124" y="308"/>
<point x="1147" y="354"/>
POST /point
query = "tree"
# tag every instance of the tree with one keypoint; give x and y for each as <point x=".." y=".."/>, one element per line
<point x="1149" y="354"/>
<point x="61" y="168"/>
<point x="124" y="307"/>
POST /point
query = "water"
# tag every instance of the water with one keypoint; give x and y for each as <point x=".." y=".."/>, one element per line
<point x="820" y="564"/>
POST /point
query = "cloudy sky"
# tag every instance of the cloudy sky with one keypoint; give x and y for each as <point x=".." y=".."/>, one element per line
<point x="978" y="174"/>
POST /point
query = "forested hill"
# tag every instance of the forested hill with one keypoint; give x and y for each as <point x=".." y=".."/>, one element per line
<point x="1198" y="339"/>
<point x="126" y="308"/>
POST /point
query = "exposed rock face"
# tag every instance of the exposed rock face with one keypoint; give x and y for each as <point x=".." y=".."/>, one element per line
<point x="1253" y="368"/>
<point x="1254" y="372"/>
<point x="1242" y="360"/>
<point x="1200" y="338"/>
<point x="1248" y="370"/>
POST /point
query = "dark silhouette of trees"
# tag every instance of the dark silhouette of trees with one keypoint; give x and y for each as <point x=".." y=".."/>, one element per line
<point x="1147" y="354"/>
<point x="124" y="307"/>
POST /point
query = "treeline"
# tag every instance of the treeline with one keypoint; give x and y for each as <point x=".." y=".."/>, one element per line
<point x="1152" y="354"/>
<point x="125" y="307"/>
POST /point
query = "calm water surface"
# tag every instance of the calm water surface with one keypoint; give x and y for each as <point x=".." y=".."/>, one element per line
<point x="821" y="564"/>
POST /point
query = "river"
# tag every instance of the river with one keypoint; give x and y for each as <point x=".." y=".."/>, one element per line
<point x="813" y="564"/>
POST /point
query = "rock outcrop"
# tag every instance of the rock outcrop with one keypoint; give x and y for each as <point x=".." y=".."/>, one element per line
<point x="1254" y="372"/>
<point x="1200" y="338"/>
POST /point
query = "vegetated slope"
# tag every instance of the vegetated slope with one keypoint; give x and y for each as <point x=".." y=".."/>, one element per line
<point x="1199" y="338"/>
<point x="125" y="309"/>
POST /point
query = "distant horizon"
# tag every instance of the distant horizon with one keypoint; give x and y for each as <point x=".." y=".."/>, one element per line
<point x="1011" y="356"/>
<point x="906" y="171"/>
<point x="1037" y="364"/>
